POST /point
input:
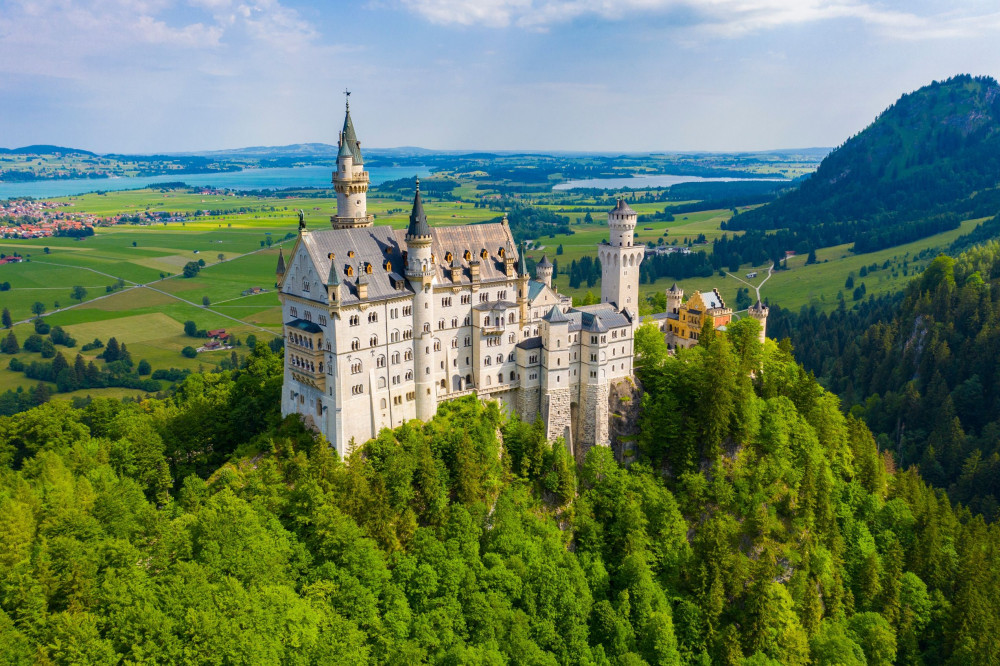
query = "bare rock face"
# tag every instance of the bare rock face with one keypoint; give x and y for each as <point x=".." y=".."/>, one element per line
<point x="624" y="403"/>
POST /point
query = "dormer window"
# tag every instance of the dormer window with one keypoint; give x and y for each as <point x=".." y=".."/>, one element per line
<point x="350" y="271"/>
<point x="449" y="257"/>
<point x="501" y="253"/>
<point x="483" y="253"/>
<point x="388" y="266"/>
<point x="468" y="255"/>
<point x="368" y="268"/>
<point x="350" y="253"/>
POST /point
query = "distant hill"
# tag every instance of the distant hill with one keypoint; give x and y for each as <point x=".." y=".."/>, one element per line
<point x="928" y="162"/>
<point x="44" y="149"/>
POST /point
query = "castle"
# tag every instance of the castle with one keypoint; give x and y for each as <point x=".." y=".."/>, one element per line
<point x="382" y="325"/>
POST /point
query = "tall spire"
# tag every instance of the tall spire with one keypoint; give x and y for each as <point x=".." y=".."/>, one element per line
<point x="418" y="219"/>
<point x="347" y="136"/>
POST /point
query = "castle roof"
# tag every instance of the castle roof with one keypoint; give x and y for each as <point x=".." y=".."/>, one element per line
<point x="544" y="263"/>
<point x="622" y="208"/>
<point x="281" y="263"/>
<point x="598" y="318"/>
<point x="522" y="259"/>
<point x="333" y="279"/>
<point x="303" y="325"/>
<point x="474" y="238"/>
<point x="349" y="138"/>
<point x="534" y="289"/>
<point x="712" y="299"/>
<point x="494" y="305"/>
<point x="555" y="316"/>
<point x="674" y="288"/>
<point x="418" y="218"/>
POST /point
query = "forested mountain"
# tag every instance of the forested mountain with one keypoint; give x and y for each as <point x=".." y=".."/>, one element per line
<point x="929" y="161"/>
<point x="923" y="369"/>
<point x="759" y="526"/>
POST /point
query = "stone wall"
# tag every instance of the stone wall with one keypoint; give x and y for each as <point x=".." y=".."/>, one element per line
<point x="529" y="403"/>
<point x="624" y="401"/>
<point x="556" y="413"/>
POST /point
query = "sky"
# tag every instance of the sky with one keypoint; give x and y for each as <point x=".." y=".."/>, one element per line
<point x="142" y="76"/>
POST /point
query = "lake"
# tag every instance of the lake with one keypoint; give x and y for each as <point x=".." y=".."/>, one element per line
<point x="248" y="179"/>
<point x="645" y="181"/>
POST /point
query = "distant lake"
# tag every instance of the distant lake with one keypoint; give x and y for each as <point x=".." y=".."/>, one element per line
<point x="645" y="181"/>
<point x="248" y="179"/>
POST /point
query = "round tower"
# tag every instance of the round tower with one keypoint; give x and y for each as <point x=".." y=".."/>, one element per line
<point x="675" y="296"/>
<point x="620" y="260"/>
<point x="420" y="274"/>
<point x="543" y="271"/>
<point x="759" y="312"/>
<point x="350" y="180"/>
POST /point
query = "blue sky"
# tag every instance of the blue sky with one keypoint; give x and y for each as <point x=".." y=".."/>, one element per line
<point x="600" y="75"/>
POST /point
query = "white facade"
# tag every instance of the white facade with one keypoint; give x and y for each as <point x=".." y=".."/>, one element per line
<point x="381" y="325"/>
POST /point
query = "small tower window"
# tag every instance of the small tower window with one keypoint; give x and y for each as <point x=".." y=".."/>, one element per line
<point x="483" y="253"/>
<point x="350" y="271"/>
<point x="468" y="255"/>
<point x="350" y="253"/>
<point x="501" y="253"/>
<point x="368" y="268"/>
<point x="448" y="257"/>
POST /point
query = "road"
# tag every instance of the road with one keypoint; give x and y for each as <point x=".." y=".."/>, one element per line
<point x="755" y="287"/>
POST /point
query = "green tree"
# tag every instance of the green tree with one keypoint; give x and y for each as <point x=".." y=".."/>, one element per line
<point x="78" y="293"/>
<point x="189" y="352"/>
<point x="9" y="344"/>
<point x="38" y="308"/>
<point x="6" y="319"/>
<point x="191" y="269"/>
<point x="190" y="329"/>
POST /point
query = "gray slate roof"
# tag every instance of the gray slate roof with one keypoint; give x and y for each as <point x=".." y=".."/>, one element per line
<point x="489" y="236"/>
<point x="374" y="245"/>
<point x="303" y="325"/>
<point x="544" y="263"/>
<point x="623" y="208"/>
<point x="598" y="318"/>
<point x="555" y="316"/>
<point x="495" y="305"/>
<point x="712" y="299"/>
<point x="418" y="218"/>
<point x="349" y="138"/>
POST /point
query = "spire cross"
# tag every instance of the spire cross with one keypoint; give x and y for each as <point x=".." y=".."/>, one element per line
<point x="347" y="94"/>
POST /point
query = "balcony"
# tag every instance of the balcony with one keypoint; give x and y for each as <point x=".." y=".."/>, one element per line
<point x="310" y="378"/>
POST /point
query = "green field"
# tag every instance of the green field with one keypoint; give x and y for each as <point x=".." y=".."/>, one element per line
<point x="148" y="314"/>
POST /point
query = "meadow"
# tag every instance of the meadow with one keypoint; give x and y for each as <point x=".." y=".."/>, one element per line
<point x="238" y="237"/>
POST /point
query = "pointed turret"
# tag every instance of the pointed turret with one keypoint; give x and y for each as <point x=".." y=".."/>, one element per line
<point x="281" y="264"/>
<point x="348" y="137"/>
<point x="522" y="260"/>
<point x="543" y="271"/>
<point x="418" y="219"/>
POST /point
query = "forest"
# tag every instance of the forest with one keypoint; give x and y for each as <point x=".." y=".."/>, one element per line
<point x="922" y="369"/>
<point x="754" y="524"/>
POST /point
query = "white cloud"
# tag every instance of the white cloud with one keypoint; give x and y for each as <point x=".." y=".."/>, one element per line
<point x="723" y="17"/>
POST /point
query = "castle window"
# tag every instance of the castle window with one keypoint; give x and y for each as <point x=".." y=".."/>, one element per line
<point x="354" y="320"/>
<point x="395" y="358"/>
<point x="373" y="341"/>
<point x="381" y="385"/>
<point x="499" y="378"/>
<point x="483" y="253"/>
<point x="358" y="389"/>
<point x="322" y="320"/>
<point x="437" y="345"/>
<point x="454" y="322"/>
<point x="499" y="359"/>
<point x="395" y="379"/>
<point x="484" y="297"/>
<point x="510" y="318"/>
<point x="350" y="253"/>
<point x="488" y="361"/>
<point x="388" y="266"/>
<point x="368" y="268"/>
<point x="383" y="401"/>
<point x="466" y="300"/>
<point x="440" y="324"/>
<point x="350" y="271"/>
<point x="468" y="321"/>
<point x="372" y="317"/>
<point x="502" y="295"/>
<point x="448" y="256"/>
<point x="407" y="334"/>
<point x="408" y="355"/>
<point x="446" y="302"/>
<point x="394" y="336"/>
<point x="308" y="315"/>
<point x="511" y="375"/>
<point x="305" y="285"/>
<point x="356" y="368"/>
<point x="467" y="342"/>
<point x="467" y="255"/>
<point x="394" y="313"/>
<point x="501" y="253"/>
<point x="397" y="400"/>
<point x="427" y="328"/>
<point x="454" y="343"/>
<point x="293" y="312"/>
<point x="407" y="310"/>
<point x="355" y="344"/>
<point x="380" y="362"/>
<point x="409" y="375"/>
<point x="510" y="338"/>
<point x="533" y="358"/>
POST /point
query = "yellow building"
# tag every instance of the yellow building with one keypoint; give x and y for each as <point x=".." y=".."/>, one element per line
<point x="682" y="322"/>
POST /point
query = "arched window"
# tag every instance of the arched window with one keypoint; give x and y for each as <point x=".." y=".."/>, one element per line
<point x="500" y="378"/>
<point x="408" y="355"/>
<point x="437" y="345"/>
<point x="409" y="375"/>
<point x="395" y="358"/>
<point x="510" y="318"/>
<point x="373" y="341"/>
<point x="355" y="344"/>
<point x="488" y="360"/>
<point x="510" y="338"/>
<point x="394" y="336"/>
<point x="380" y="361"/>
<point x="511" y="375"/>
<point x="383" y="403"/>
<point x="381" y="383"/>
<point x="499" y="359"/>
<point x="350" y="271"/>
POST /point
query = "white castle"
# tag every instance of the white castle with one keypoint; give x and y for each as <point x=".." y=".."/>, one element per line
<point x="382" y="325"/>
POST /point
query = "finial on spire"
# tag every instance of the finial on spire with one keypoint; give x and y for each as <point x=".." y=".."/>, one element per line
<point x="418" y="182"/>
<point x="347" y="96"/>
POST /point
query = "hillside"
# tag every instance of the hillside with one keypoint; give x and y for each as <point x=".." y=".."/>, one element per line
<point x="761" y="528"/>
<point x="927" y="162"/>
<point x="923" y="369"/>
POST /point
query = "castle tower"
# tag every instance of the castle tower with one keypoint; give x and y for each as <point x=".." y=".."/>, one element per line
<point x="350" y="180"/>
<point x="620" y="260"/>
<point x="522" y="282"/>
<point x="543" y="271"/>
<point x="420" y="274"/>
<point x="675" y="296"/>
<point x="759" y="312"/>
<point x="279" y="272"/>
